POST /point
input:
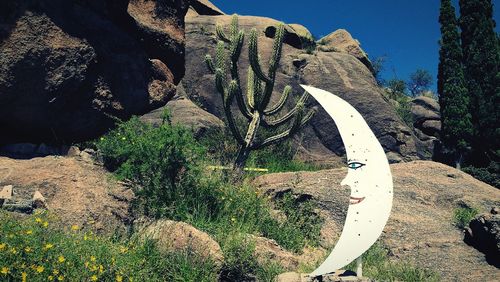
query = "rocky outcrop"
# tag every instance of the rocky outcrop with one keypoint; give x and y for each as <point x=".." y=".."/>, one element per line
<point x="67" y="67"/>
<point x="426" y="115"/>
<point x="420" y="229"/>
<point x="427" y="123"/>
<point x="203" y="7"/>
<point x="342" y="41"/>
<point x="75" y="191"/>
<point x="484" y="234"/>
<point x="173" y="236"/>
<point x="339" y="73"/>
<point x="184" y="112"/>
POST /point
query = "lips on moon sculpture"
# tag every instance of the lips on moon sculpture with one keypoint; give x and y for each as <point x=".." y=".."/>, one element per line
<point x="369" y="177"/>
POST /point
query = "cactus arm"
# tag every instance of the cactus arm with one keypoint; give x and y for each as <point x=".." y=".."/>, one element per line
<point x="231" y="91"/>
<point x="299" y="123"/>
<point x="220" y="83"/>
<point x="210" y="63"/>
<point x="253" y="56"/>
<point x="235" y="28"/>
<point x="220" y="56"/>
<point x="273" y="64"/>
<point x="281" y="102"/>
<point x="236" y="46"/>
<point x="219" y="30"/>
<point x="277" y="49"/>
<point x="285" y="118"/>
<point x="250" y="89"/>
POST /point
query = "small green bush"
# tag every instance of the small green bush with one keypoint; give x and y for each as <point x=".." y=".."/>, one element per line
<point x="488" y="174"/>
<point x="163" y="162"/>
<point x="463" y="215"/>
<point x="31" y="250"/>
<point x="302" y="225"/>
<point x="404" y="112"/>
<point x="376" y="265"/>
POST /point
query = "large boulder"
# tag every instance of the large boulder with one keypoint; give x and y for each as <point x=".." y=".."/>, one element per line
<point x="339" y="73"/>
<point x="341" y="41"/>
<point x="68" y="67"/>
<point x="426" y="115"/>
<point x="420" y="229"/>
<point x="427" y="123"/>
<point x="175" y="236"/>
<point x="203" y="7"/>
<point x="484" y="234"/>
<point x="184" y="112"/>
<point x="76" y="191"/>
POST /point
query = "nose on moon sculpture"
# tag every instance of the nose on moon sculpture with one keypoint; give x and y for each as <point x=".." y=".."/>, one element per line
<point x="369" y="178"/>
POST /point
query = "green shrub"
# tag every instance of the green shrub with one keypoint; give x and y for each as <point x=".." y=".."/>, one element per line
<point x="463" y="215"/>
<point x="488" y="174"/>
<point x="302" y="225"/>
<point x="31" y="248"/>
<point x="163" y="162"/>
<point x="376" y="265"/>
<point x="239" y="259"/>
<point x="404" y="111"/>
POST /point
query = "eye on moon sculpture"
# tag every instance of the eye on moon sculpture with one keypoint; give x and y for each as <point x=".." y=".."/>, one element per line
<point x="369" y="177"/>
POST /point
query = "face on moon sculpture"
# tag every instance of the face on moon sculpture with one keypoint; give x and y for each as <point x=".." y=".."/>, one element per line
<point x="369" y="178"/>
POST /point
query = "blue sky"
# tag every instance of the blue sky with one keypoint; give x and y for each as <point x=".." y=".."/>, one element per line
<point x="406" y="31"/>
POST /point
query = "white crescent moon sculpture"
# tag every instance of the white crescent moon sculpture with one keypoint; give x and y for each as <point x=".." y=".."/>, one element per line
<point x="369" y="177"/>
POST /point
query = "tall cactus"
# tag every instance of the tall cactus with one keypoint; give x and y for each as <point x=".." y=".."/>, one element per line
<point x="254" y="106"/>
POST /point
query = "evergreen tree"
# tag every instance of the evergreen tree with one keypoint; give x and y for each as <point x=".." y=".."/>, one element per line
<point x="481" y="58"/>
<point x="453" y="96"/>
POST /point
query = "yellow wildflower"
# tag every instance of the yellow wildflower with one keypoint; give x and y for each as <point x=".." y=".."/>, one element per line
<point x="86" y="264"/>
<point x="24" y="276"/>
<point x="2" y="246"/>
<point x="5" y="270"/>
<point x="29" y="232"/>
<point x="48" y="246"/>
<point x="40" y="269"/>
<point x="85" y="237"/>
<point x="61" y="259"/>
<point x="75" y="227"/>
<point x="60" y="278"/>
<point x="55" y="271"/>
<point x="93" y="278"/>
<point x="123" y="249"/>
<point x="27" y="249"/>
<point x="101" y="268"/>
<point x="92" y="258"/>
<point x="13" y="251"/>
<point x="119" y="278"/>
<point x="45" y="224"/>
<point x="93" y="268"/>
<point x="50" y="278"/>
<point x="38" y="220"/>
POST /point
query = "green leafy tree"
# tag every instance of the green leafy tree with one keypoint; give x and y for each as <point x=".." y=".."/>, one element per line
<point x="419" y="82"/>
<point x="453" y="95"/>
<point x="254" y="106"/>
<point x="482" y="64"/>
<point x="396" y="88"/>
